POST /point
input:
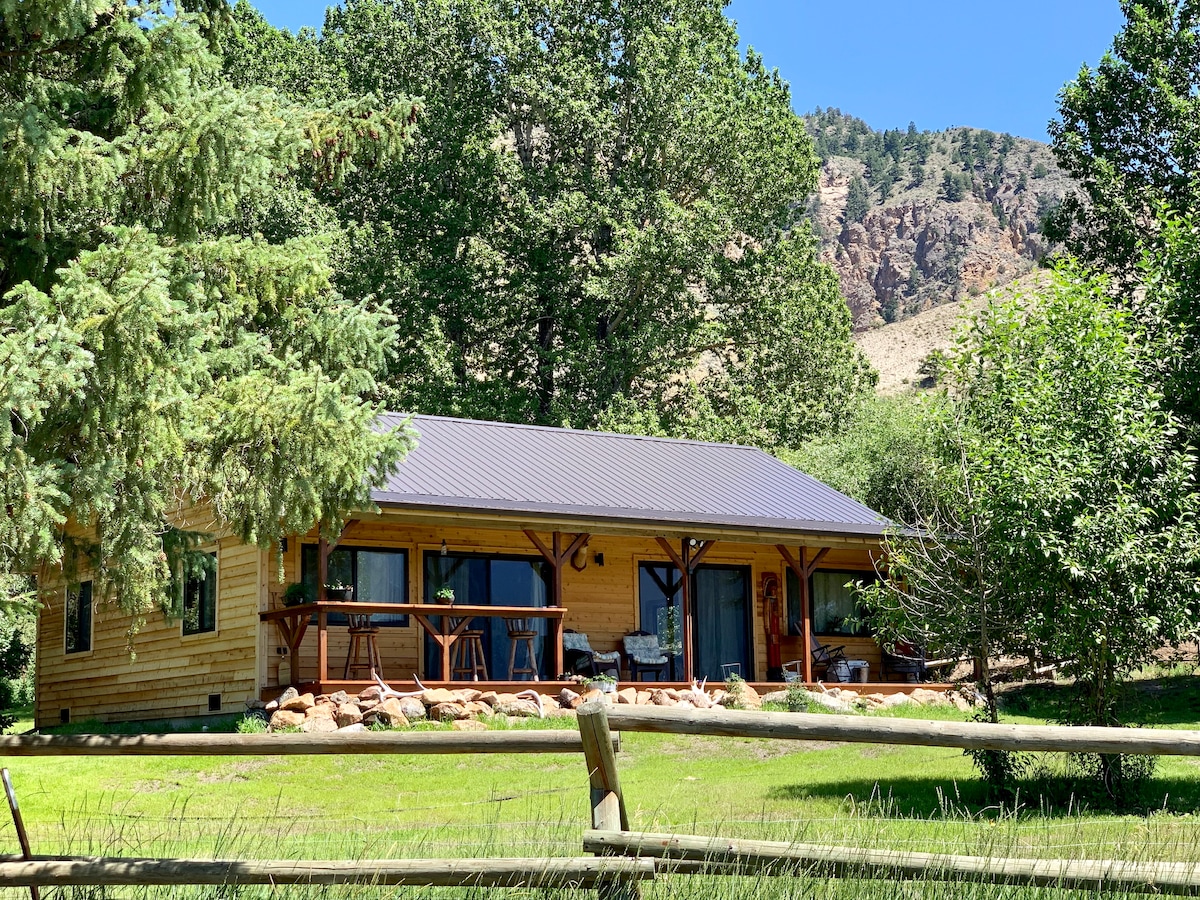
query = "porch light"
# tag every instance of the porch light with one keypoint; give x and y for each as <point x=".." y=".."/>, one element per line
<point x="443" y="546"/>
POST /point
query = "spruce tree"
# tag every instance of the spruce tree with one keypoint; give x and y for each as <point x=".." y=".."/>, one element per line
<point x="150" y="354"/>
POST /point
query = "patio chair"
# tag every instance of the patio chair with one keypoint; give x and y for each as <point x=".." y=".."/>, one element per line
<point x="825" y="656"/>
<point x="905" y="660"/>
<point x="580" y="659"/>
<point x="645" y="656"/>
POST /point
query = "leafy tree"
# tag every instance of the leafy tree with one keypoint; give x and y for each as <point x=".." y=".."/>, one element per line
<point x="149" y="353"/>
<point x="1070" y="503"/>
<point x="1127" y="134"/>
<point x="601" y="202"/>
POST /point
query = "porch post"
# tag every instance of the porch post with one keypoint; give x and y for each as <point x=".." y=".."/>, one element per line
<point x="322" y="567"/>
<point x="687" y="563"/>
<point x="557" y="556"/>
<point x="322" y="650"/>
<point x="803" y="570"/>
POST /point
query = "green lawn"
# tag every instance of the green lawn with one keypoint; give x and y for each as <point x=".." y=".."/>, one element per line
<point x="902" y="797"/>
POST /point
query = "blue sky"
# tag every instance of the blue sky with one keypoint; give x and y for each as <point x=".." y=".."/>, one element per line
<point x="938" y="63"/>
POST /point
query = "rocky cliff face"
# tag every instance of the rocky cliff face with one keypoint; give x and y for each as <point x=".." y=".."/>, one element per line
<point x="944" y="217"/>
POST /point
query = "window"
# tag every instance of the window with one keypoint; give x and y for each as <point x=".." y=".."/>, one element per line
<point x="200" y="597"/>
<point x="834" y="609"/>
<point x="79" y="618"/>
<point x="377" y="575"/>
<point x="485" y="580"/>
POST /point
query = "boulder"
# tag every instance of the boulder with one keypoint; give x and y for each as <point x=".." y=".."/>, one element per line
<point x="364" y="705"/>
<point x="779" y="698"/>
<point x="290" y="694"/>
<point x="829" y="701"/>
<point x="750" y="697"/>
<point x="321" y="711"/>
<point x="254" y="703"/>
<point x="926" y="697"/>
<point x="299" y="703"/>
<point x="466" y="695"/>
<point x="876" y="698"/>
<point x="476" y="708"/>
<point x="643" y="698"/>
<point x="447" y="712"/>
<point x="489" y="697"/>
<point x="352" y="729"/>
<point x="339" y="697"/>
<point x="390" y="713"/>
<point x="319" y="725"/>
<point x="348" y="714"/>
<point x="894" y="700"/>
<point x="960" y="702"/>
<point x="569" y="698"/>
<point x="673" y="694"/>
<point x="434" y="696"/>
<point x="593" y="694"/>
<point x="271" y="706"/>
<point x="468" y="724"/>
<point x="660" y="697"/>
<point x="371" y="693"/>
<point x="684" y="704"/>
<point x="286" y="718"/>
<point x="411" y="707"/>
<point x="627" y="695"/>
<point x="518" y="707"/>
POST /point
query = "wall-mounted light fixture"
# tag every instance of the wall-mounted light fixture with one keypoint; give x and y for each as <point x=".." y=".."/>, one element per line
<point x="443" y="547"/>
<point x="599" y="559"/>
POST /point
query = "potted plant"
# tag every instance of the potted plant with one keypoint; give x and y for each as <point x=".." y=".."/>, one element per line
<point x="605" y="684"/>
<point x="297" y="593"/>
<point x="444" y="594"/>
<point x="337" y="590"/>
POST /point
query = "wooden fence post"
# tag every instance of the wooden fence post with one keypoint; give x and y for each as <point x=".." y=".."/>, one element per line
<point x="608" y="806"/>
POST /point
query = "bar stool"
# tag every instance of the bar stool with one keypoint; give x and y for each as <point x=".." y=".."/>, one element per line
<point x="362" y="639"/>
<point x="520" y="631"/>
<point x="468" y="654"/>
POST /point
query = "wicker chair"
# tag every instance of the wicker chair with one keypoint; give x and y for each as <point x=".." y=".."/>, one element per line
<point x="645" y="656"/>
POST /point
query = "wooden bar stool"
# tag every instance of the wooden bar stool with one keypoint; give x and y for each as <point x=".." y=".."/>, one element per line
<point x="521" y="632"/>
<point x="469" y="660"/>
<point x="362" y="639"/>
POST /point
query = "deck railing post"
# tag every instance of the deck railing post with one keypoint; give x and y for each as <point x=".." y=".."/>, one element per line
<point x="608" y="805"/>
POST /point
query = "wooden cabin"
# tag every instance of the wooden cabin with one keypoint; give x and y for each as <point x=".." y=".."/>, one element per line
<point x="737" y="562"/>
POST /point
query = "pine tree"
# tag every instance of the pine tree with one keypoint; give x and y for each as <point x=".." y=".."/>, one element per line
<point x="151" y="354"/>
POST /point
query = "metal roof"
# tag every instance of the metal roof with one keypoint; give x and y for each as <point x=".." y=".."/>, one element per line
<point x="464" y="464"/>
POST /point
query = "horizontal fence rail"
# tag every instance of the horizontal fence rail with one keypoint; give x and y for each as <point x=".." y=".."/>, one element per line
<point x="712" y="855"/>
<point x="964" y="735"/>
<point x="380" y="743"/>
<point x="581" y="872"/>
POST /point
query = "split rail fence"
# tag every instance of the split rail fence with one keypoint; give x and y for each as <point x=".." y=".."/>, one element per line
<point x="621" y="858"/>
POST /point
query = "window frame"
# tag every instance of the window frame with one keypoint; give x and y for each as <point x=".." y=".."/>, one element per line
<point x="384" y="620"/>
<point x="201" y="631"/>
<point x="850" y="574"/>
<point x="78" y="590"/>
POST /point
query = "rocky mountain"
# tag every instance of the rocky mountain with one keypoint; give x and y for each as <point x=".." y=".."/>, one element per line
<point x="915" y="219"/>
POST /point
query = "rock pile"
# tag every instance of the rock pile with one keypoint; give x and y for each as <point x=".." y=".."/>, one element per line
<point x="465" y="707"/>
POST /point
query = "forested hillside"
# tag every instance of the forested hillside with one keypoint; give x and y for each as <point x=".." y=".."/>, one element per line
<point x="913" y="219"/>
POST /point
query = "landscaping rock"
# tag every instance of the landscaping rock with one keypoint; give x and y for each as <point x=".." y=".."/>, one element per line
<point x="271" y="706"/>
<point x="390" y="713"/>
<point x="411" y="707"/>
<point x="960" y="702"/>
<point x="569" y="698"/>
<point x="348" y="714"/>
<point x="627" y="695"/>
<point x="447" y="712"/>
<point x="476" y="708"/>
<point x="926" y="697"/>
<point x="365" y="705"/>
<point x="434" y="696"/>
<point x="518" y="707"/>
<point x="778" y="697"/>
<point x="684" y="704"/>
<point x="718" y="696"/>
<point x="337" y="698"/>
<point x="643" y="698"/>
<point x="290" y="694"/>
<point x="466" y="695"/>
<point x="468" y="724"/>
<point x="353" y="729"/>
<point x="319" y="725"/>
<point x="286" y="718"/>
<point x="371" y="693"/>
<point x="489" y="697"/>
<point x="660" y="697"/>
<point x="594" y="694"/>
<point x="891" y="702"/>
<point x="673" y="693"/>
<point x="750" y="697"/>
<point x="299" y="703"/>
<point x="829" y="701"/>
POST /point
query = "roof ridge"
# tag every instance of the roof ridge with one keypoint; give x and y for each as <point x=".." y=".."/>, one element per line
<point x="416" y="417"/>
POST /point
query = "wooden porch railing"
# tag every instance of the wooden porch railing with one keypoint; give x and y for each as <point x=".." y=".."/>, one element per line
<point x="293" y="622"/>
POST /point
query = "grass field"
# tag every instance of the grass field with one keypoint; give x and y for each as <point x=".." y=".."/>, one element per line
<point x="861" y="795"/>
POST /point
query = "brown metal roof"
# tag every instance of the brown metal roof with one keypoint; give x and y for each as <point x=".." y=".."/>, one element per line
<point x="463" y="464"/>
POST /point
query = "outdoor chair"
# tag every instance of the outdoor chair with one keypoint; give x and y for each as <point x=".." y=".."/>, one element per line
<point x="580" y="659"/>
<point x="645" y="656"/>
<point x="904" y="660"/>
<point x="825" y="656"/>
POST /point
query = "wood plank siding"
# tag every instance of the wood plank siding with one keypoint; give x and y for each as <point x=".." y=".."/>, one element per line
<point x="172" y="675"/>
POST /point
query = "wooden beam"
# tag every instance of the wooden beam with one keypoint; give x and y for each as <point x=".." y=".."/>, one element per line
<point x="672" y="555"/>
<point x="701" y="552"/>
<point x="289" y="744"/>
<point x="545" y="872"/>
<point x="541" y="548"/>
<point x="912" y="732"/>
<point x="816" y="560"/>
<point x="742" y="857"/>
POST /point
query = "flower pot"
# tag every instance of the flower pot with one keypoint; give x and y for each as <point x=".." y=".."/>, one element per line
<point x="342" y="595"/>
<point x="604" y="687"/>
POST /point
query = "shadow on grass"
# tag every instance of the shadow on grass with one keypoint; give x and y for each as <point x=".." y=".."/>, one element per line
<point x="1172" y="700"/>
<point x="1047" y="793"/>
